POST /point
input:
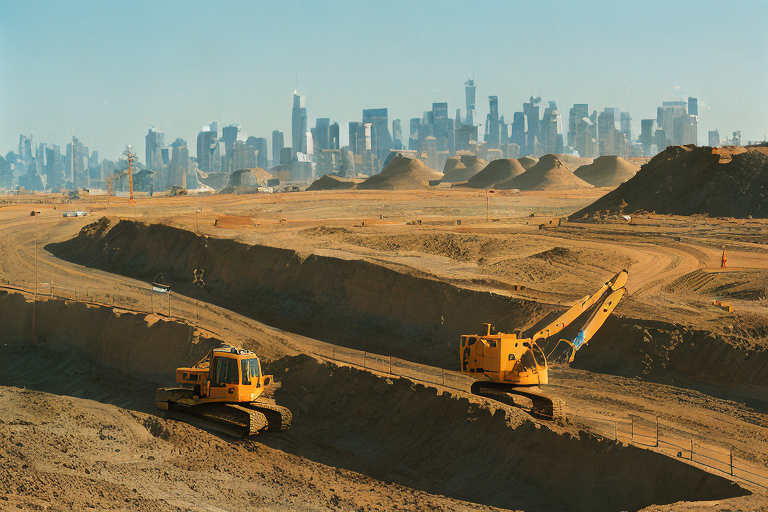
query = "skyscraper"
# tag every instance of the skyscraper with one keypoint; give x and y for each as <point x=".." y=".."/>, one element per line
<point x="381" y="140"/>
<point x="206" y="139"/>
<point x="531" y="111"/>
<point x="298" y="124"/>
<point x="714" y="138"/>
<point x="397" y="134"/>
<point x="278" y="143"/>
<point x="647" y="127"/>
<point x="333" y="136"/>
<point x="321" y="133"/>
<point x="155" y="142"/>
<point x="693" y="106"/>
<point x="492" y="128"/>
<point x="260" y="145"/>
<point x="178" y="169"/>
<point x="469" y="92"/>
<point x="229" y="134"/>
<point x="576" y="114"/>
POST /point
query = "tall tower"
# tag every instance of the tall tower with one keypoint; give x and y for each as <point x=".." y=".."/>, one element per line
<point x="298" y="124"/>
<point x="155" y="142"/>
<point x="469" y="91"/>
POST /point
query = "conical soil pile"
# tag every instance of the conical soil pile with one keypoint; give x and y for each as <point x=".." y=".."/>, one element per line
<point x="461" y="168"/>
<point x="402" y="173"/>
<point x="333" y="182"/>
<point x="573" y="162"/>
<point x="607" y="171"/>
<point x="687" y="180"/>
<point x="495" y="172"/>
<point x="549" y="173"/>
<point x="527" y="162"/>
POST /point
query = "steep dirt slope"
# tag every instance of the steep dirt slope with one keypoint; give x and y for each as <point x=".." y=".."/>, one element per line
<point x="548" y="174"/>
<point x="607" y="171"/>
<point x="528" y="161"/>
<point x="687" y="180"/>
<point x="401" y="173"/>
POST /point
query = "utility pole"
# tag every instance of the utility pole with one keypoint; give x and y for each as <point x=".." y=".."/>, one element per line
<point x="34" y="303"/>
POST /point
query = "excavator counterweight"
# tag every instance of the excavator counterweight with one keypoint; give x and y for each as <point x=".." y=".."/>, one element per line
<point x="509" y="364"/>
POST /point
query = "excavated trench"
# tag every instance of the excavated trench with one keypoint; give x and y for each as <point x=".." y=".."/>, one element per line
<point x="389" y="429"/>
<point x="402" y="312"/>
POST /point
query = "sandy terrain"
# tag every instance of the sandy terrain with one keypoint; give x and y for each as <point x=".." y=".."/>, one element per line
<point x="510" y="260"/>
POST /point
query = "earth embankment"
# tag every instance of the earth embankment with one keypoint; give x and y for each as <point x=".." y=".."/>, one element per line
<point x="403" y="313"/>
<point x="457" y="446"/>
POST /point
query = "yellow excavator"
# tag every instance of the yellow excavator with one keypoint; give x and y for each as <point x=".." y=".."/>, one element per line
<point x="227" y="387"/>
<point x="510" y="364"/>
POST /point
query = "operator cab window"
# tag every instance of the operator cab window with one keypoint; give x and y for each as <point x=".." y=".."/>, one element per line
<point x="224" y="371"/>
<point x="251" y="371"/>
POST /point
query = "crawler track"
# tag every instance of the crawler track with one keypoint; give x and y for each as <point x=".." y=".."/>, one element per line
<point x="248" y="417"/>
<point x="544" y="406"/>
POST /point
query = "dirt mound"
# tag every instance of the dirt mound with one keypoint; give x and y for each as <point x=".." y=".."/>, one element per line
<point x="528" y="161"/>
<point x="687" y="180"/>
<point x="401" y="173"/>
<point x="331" y="182"/>
<point x="387" y="437"/>
<point x="573" y="162"/>
<point x="245" y="181"/>
<point x="607" y="171"/>
<point x="496" y="172"/>
<point x="548" y="174"/>
<point x="461" y="168"/>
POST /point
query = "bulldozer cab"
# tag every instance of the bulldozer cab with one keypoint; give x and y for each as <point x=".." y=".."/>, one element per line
<point x="227" y="374"/>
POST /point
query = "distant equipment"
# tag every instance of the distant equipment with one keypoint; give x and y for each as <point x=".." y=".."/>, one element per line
<point x="78" y="213"/>
<point x="513" y="364"/>
<point x="159" y="286"/>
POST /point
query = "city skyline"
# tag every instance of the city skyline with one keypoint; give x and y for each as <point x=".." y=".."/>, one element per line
<point x="91" y="89"/>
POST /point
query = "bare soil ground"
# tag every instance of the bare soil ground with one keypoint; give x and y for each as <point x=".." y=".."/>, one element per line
<point x="498" y="248"/>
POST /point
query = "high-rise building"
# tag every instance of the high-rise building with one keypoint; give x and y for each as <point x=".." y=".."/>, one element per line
<point x="608" y="127"/>
<point x="155" y="142"/>
<point x="693" y="106"/>
<point x="552" y="130"/>
<point x="626" y="125"/>
<point x="229" y="134"/>
<point x="381" y="140"/>
<point x="647" y="127"/>
<point x="397" y="134"/>
<point x="320" y="133"/>
<point x="333" y="136"/>
<point x="178" y="168"/>
<point x="469" y="92"/>
<point x="736" y="138"/>
<point x="714" y="138"/>
<point x="531" y="111"/>
<point x="442" y="128"/>
<point x="278" y="143"/>
<point x="260" y="145"/>
<point x="492" y="128"/>
<point x="205" y="140"/>
<point x="575" y="116"/>
<point x="298" y="124"/>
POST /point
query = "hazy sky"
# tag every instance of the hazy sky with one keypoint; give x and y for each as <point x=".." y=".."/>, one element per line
<point x="107" y="71"/>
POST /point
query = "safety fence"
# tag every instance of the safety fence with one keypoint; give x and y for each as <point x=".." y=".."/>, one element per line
<point x="636" y="429"/>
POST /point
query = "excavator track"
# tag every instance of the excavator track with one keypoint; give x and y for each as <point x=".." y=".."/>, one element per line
<point x="544" y="407"/>
<point x="248" y="417"/>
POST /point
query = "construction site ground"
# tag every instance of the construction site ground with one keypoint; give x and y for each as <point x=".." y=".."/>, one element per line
<point x="78" y="427"/>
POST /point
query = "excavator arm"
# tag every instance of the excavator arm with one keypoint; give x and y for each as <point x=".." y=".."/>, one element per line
<point x="611" y="286"/>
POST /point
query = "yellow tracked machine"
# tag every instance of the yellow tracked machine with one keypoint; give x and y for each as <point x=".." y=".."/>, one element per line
<point x="509" y="364"/>
<point x="227" y="387"/>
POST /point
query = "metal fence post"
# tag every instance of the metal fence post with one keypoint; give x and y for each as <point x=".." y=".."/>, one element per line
<point x="632" y="435"/>
<point x="691" y="448"/>
<point x="390" y="365"/>
<point x="615" y="432"/>
<point x="442" y="372"/>
<point x="364" y="354"/>
<point x="657" y="431"/>
<point x="169" y="304"/>
<point x="333" y="353"/>
<point x="731" y="461"/>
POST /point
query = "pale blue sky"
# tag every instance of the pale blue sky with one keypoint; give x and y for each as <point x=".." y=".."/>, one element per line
<point x="110" y="70"/>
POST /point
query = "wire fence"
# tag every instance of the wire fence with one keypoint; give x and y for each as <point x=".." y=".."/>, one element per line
<point x="635" y="429"/>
